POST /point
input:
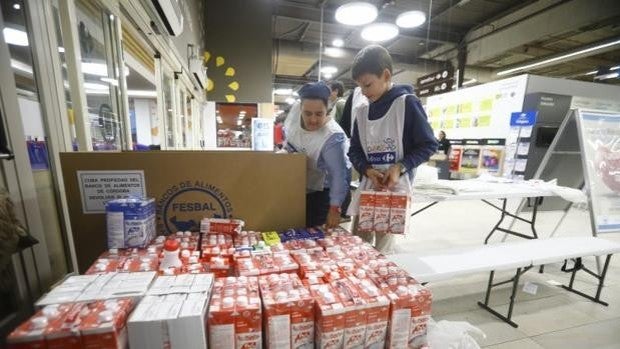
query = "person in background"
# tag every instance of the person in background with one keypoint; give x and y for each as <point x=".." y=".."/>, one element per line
<point x="444" y="143"/>
<point x="390" y="135"/>
<point x="336" y="100"/>
<point x="309" y="130"/>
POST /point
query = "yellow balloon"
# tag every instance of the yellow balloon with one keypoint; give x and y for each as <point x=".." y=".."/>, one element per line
<point x="230" y="71"/>
<point x="219" y="61"/>
<point x="210" y="85"/>
<point x="234" y="86"/>
<point x="230" y="98"/>
<point x="207" y="56"/>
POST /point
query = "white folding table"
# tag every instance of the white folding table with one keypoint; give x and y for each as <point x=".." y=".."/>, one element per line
<point x="485" y="191"/>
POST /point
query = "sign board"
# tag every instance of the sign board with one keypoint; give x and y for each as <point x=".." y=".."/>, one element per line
<point x="518" y="143"/>
<point x="262" y="134"/>
<point x="520" y="119"/>
<point x="434" y="78"/>
<point x="266" y="190"/>
<point x="98" y="187"/>
<point x="599" y="135"/>
<point x="435" y="89"/>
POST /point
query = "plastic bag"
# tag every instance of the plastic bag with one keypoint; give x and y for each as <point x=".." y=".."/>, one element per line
<point x="452" y="335"/>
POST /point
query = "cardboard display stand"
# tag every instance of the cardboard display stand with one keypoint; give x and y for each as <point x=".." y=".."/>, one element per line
<point x="266" y="190"/>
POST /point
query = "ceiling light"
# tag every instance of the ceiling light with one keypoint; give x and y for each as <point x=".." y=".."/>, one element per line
<point x="334" y="52"/>
<point x="469" y="82"/>
<point x="290" y="100"/>
<point x="142" y="93"/>
<point x="338" y="43"/>
<point x="411" y="19"/>
<point x="15" y="37"/>
<point x="558" y="58"/>
<point x="17" y="6"/>
<point x="607" y="76"/>
<point x="330" y="69"/>
<point x="591" y="72"/>
<point x="94" y="86"/>
<point x="356" y="13"/>
<point x="377" y="32"/>
<point x="21" y="66"/>
<point x="283" y="91"/>
<point x="61" y="49"/>
<point x="110" y="81"/>
<point x="328" y="76"/>
<point x="615" y="68"/>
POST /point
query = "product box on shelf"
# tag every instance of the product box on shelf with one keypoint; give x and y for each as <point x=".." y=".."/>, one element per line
<point x="398" y="212"/>
<point x="354" y="312"/>
<point x="235" y="314"/>
<point x="50" y="325"/>
<point x="271" y="238"/>
<point x="130" y="222"/>
<point x="377" y="311"/>
<point x="366" y="212"/>
<point x="221" y="225"/>
<point x="288" y="309"/>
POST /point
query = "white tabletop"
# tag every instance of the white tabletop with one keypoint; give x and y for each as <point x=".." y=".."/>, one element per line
<point x="479" y="190"/>
<point x="450" y="263"/>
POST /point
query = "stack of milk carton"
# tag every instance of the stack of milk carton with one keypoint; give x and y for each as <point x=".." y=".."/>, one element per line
<point x="383" y="212"/>
<point x="130" y="222"/>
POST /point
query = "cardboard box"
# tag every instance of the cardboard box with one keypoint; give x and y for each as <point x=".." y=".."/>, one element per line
<point x="366" y="212"/>
<point x="398" y="212"/>
<point x="382" y="212"/>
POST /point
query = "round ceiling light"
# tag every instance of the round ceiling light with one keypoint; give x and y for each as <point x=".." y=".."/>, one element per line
<point x="329" y="70"/>
<point x="335" y="52"/>
<point x="337" y="43"/>
<point x="356" y="13"/>
<point x="378" y="32"/>
<point x="411" y="19"/>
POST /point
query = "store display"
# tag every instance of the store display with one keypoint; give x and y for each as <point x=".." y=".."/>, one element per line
<point x="306" y="288"/>
<point x="130" y="222"/>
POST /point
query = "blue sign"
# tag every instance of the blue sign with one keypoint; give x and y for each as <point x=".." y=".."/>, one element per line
<point x="383" y="158"/>
<point x="527" y="118"/>
<point x="182" y="206"/>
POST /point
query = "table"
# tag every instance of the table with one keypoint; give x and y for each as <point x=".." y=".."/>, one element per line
<point x="485" y="191"/>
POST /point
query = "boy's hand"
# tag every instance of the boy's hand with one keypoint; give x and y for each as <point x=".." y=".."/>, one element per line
<point x="333" y="217"/>
<point x="392" y="175"/>
<point x="376" y="177"/>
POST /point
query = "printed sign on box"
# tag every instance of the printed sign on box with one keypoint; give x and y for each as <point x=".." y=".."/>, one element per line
<point x="98" y="187"/>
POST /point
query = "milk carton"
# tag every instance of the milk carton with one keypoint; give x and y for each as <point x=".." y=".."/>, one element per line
<point x="330" y="317"/>
<point x="50" y="327"/>
<point x="105" y="326"/>
<point x="354" y="313"/>
<point x="289" y="312"/>
<point x="377" y="312"/>
<point x="130" y="222"/>
<point x="382" y="212"/>
<point x="366" y="212"/>
<point x="398" y="212"/>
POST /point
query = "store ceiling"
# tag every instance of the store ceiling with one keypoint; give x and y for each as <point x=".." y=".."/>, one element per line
<point x="453" y="23"/>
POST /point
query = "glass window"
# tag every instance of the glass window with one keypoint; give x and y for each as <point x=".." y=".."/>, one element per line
<point x="234" y="123"/>
<point x="100" y="70"/>
<point x="168" y="87"/>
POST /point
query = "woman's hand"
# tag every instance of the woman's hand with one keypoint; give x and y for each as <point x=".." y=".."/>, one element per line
<point x="333" y="217"/>
<point x="376" y="177"/>
<point x="392" y="176"/>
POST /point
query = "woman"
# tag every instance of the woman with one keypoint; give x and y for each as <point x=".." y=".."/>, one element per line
<point x="444" y="143"/>
<point x="311" y="131"/>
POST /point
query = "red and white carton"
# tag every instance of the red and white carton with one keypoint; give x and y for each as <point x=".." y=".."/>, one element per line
<point x="330" y="317"/>
<point x="366" y="212"/>
<point x="288" y="309"/>
<point x="235" y="316"/>
<point x="377" y="311"/>
<point x="105" y="326"/>
<point x="220" y="266"/>
<point x="63" y="333"/>
<point x="398" y="212"/>
<point x="355" y="313"/>
<point x="382" y="212"/>
<point x="30" y="334"/>
<point x="410" y="313"/>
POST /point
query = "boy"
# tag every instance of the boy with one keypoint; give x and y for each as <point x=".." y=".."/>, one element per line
<point x="390" y="135"/>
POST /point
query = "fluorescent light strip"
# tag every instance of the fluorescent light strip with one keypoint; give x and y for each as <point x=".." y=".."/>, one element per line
<point x="469" y="82"/>
<point x="558" y="58"/>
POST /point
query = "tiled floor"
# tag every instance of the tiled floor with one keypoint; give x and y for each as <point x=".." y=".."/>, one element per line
<point x="552" y="318"/>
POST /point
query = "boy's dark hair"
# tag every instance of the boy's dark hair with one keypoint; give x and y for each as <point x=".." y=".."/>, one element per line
<point x="372" y="59"/>
<point x="337" y="85"/>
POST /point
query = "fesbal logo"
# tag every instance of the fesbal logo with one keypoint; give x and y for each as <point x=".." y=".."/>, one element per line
<point x="183" y="205"/>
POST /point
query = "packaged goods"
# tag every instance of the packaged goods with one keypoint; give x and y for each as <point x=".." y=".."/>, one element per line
<point x="49" y="325"/>
<point x="302" y="234"/>
<point x="130" y="222"/>
<point x="235" y="314"/>
<point x="329" y="317"/>
<point x="410" y="312"/>
<point x="382" y="212"/>
<point x="271" y="238"/>
<point x="221" y="226"/>
<point x="105" y="325"/>
<point x="398" y="212"/>
<point x="377" y="311"/>
<point x="366" y="221"/>
<point x="354" y="312"/>
<point x="289" y="312"/>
